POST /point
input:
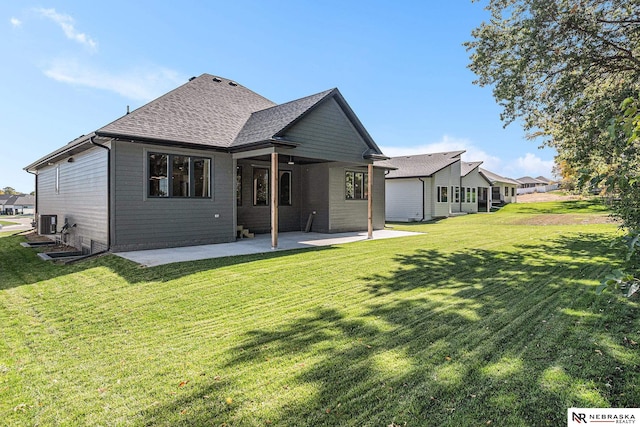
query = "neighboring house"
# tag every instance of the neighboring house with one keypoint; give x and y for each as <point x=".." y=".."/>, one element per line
<point x="503" y="190"/>
<point x="422" y="187"/>
<point x="16" y="204"/>
<point x="206" y="159"/>
<point x="24" y="205"/>
<point x="475" y="194"/>
<point x="528" y="182"/>
<point x="544" y="179"/>
<point x="4" y="198"/>
<point x="528" y="185"/>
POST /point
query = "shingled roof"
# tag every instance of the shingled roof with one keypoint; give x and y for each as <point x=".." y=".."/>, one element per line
<point x="268" y="123"/>
<point x="421" y="165"/>
<point x="494" y="177"/>
<point x="467" y="167"/>
<point x="213" y="112"/>
<point x="208" y="110"/>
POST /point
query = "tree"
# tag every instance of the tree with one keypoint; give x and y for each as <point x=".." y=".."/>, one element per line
<point x="563" y="68"/>
<point x="9" y="190"/>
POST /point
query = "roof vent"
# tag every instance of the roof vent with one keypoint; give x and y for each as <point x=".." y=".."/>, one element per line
<point x="217" y="80"/>
<point x="192" y="78"/>
<point x="233" y="84"/>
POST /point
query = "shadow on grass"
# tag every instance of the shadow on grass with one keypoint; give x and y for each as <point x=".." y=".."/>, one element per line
<point x="467" y="338"/>
<point x="21" y="266"/>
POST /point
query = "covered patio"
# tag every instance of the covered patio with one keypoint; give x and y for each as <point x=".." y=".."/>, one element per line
<point x="260" y="244"/>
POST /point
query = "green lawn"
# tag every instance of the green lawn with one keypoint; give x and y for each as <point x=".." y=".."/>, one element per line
<point x="488" y="319"/>
<point x="3" y="223"/>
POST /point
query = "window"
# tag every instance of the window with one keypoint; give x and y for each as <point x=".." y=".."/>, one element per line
<point x="57" y="179"/>
<point x="260" y="187"/>
<point x="285" y="188"/>
<point x="468" y="199"/>
<point x="506" y="191"/>
<point x="513" y="191"/>
<point x="356" y="185"/>
<point x="178" y="176"/>
<point x="239" y="185"/>
<point x="456" y="194"/>
<point x="473" y="195"/>
<point x="442" y="194"/>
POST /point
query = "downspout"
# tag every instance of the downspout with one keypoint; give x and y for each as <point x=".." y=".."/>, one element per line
<point x="423" y="215"/>
<point x="35" y="207"/>
<point x="108" y="189"/>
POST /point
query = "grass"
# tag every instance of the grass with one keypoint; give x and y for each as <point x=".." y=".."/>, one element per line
<point x="3" y="223"/>
<point x="484" y="319"/>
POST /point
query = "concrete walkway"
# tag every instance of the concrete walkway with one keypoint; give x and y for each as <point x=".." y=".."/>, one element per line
<point x="259" y="244"/>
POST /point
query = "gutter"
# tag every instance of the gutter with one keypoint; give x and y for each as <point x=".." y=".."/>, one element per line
<point x="159" y="141"/>
<point x="108" y="189"/>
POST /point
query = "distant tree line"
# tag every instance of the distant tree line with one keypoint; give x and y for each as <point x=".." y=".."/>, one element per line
<point x="12" y="192"/>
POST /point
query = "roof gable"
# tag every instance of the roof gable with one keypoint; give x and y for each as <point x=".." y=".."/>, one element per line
<point x="207" y="110"/>
<point x="421" y="165"/>
<point x="494" y="178"/>
<point x="467" y="167"/>
<point x="266" y="124"/>
<point x="275" y="122"/>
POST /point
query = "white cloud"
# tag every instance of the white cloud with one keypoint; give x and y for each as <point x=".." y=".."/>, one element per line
<point x="15" y="22"/>
<point x="138" y="84"/>
<point x="448" y="143"/>
<point x="531" y="165"/>
<point x="66" y="22"/>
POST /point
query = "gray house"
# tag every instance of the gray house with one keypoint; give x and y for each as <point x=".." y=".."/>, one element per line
<point x="206" y="160"/>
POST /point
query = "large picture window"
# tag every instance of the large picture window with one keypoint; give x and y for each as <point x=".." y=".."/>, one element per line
<point x="356" y="185"/>
<point x="178" y="176"/>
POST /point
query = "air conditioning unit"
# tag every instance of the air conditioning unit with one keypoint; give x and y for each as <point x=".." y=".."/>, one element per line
<point x="48" y="224"/>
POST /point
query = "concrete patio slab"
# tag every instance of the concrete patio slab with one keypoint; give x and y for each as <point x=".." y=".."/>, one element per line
<point x="259" y="244"/>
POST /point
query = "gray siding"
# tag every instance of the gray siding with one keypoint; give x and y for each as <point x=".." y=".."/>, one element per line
<point x="327" y="133"/>
<point x="315" y="197"/>
<point x="140" y="222"/>
<point x="81" y="197"/>
<point x="351" y="215"/>
<point x="258" y="218"/>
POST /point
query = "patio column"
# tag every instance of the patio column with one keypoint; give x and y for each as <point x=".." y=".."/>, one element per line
<point x="370" y="202"/>
<point x="274" y="200"/>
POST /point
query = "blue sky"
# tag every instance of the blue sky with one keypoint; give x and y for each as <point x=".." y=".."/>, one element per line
<point x="70" y="67"/>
